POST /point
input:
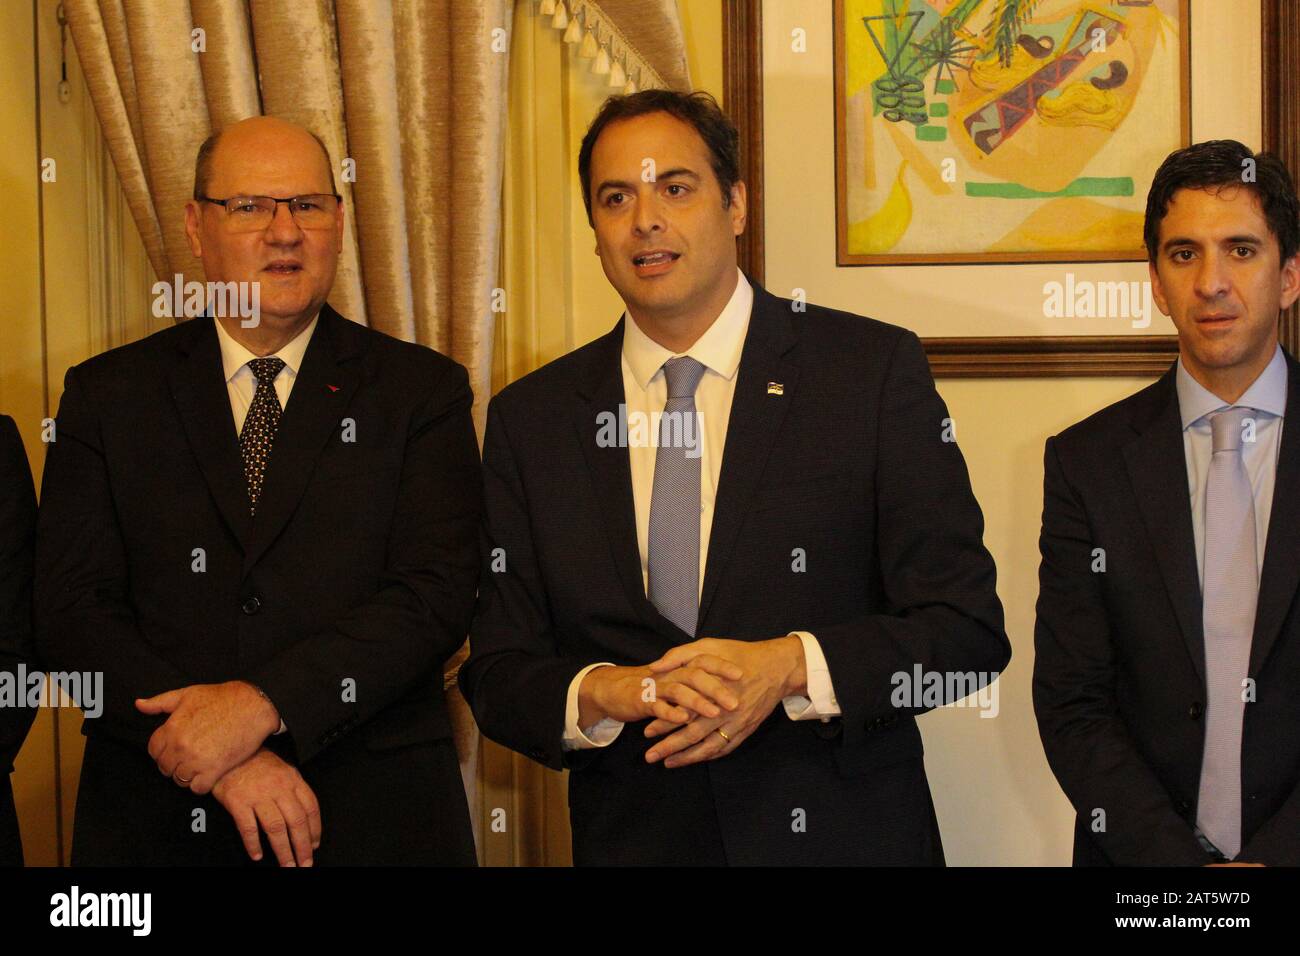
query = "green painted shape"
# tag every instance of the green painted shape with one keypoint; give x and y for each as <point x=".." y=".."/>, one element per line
<point x="932" y="134"/>
<point x="938" y="109"/>
<point x="946" y="86"/>
<point x="1083" y="186"/>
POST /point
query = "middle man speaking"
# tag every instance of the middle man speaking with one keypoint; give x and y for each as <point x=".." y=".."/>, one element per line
<point x="749" y="580"/>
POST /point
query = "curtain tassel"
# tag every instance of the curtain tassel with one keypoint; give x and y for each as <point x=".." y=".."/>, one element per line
<point x="617" y="78"/>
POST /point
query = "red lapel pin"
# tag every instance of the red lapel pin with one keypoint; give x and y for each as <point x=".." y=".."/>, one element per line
<point x="332" y="388"/>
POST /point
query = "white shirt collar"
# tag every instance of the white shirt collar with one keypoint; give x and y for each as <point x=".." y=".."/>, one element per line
<point x="1266" y="394"/>
<point x="234" y="356"/>
<point x="718" y="348"/>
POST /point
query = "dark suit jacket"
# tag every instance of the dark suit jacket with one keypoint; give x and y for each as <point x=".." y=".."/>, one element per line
<point x="1119" y="677"/>
<point x="849" y="465"/>
<point x="359" y="572"/>
<point x="17" y="540"/>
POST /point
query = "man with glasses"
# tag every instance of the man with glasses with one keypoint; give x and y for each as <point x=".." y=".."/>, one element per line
<point x="263" y="534"/>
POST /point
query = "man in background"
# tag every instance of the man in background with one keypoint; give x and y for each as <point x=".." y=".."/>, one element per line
<point x="1168" y="642"/>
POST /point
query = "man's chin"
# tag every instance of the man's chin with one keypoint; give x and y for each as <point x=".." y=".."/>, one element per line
<point x="284" y="314"/>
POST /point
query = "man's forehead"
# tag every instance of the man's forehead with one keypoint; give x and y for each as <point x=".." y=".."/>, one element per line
<point x="660" y="137"/>
<point x="1232" y="199"/>
<point x="245" y="161"/>
<point x="1226" y="210"/>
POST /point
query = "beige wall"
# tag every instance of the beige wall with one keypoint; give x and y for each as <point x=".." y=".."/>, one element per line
<point x="997" y="800"/>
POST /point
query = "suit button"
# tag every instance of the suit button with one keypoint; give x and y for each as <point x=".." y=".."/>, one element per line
<point x="252" y="605"/>
<point x="1185" y="806"/>
<point x="1195" y="710"/>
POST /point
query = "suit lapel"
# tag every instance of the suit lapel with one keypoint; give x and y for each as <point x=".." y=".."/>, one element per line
<point x="1157" y="468"/>
<point x="755" y="422"/>
<point x="199" y="389"/>
<point x="311" y="417"/>
<point x="600" y="392"/>
<point x="1281" y="571"/>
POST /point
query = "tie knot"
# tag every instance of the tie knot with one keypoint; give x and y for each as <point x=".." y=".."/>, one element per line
<point x="1226" y="428"/>
<point x="683" y="375"/>
<point x="266" y="369"/>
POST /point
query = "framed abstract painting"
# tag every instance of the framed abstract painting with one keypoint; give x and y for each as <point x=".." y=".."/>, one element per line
<point x="1003" y="130"/>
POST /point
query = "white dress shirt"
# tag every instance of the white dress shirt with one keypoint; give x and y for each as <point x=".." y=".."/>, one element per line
<point x="241" y="383"/>
<point x="1267" y="396"/>
<point x="645" y="391"/>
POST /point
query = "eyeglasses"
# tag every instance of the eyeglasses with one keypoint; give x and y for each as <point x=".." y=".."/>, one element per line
<point x="256" y="213"/>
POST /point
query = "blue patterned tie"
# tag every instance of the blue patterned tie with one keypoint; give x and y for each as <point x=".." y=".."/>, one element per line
<point x="259" y="426"/>
<point x="1228" y="607"/>
<point x="674" y="542"/>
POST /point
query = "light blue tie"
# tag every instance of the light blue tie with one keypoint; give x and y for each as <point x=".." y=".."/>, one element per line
<point x="673" y="561"/>
<point x="1228" y="604"/>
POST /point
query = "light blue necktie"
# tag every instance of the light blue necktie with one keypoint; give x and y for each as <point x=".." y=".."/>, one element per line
<point x="673" y="561"/>
<point x="1228" y="604"/>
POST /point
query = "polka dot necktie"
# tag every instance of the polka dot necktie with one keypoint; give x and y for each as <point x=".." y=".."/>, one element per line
<point x="260" y="425"/>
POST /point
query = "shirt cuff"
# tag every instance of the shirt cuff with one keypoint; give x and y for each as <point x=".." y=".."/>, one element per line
<point x="602" y="734"/>
<point x="820" y="700"/>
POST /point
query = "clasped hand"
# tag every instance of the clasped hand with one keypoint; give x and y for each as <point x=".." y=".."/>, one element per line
<point x="708" y="695"/>
<point x="212" y="742"/>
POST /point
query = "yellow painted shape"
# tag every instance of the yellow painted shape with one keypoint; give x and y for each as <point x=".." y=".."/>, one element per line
<point x="922" y="166"/>
<point x="881" y="231"/>
<point x="1081" y="104"/>
<point x="1074" y="223"/>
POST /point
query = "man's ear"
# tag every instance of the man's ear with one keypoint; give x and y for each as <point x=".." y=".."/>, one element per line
<point x="338" y="223"/>
<point x="739" y="207"/>
<point x="192" y="216"/>
<point x="1157" y="291"/>
<point x="1290" y="281"/>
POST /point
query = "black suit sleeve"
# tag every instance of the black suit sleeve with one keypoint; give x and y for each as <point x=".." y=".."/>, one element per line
<point x="17" y="541"/>
<point x="515" y="681"/>
<point x="84" y="618"/>
<point x="938" y="578"/>
<point x="1277" y="842"/>
<point x="1075" y="667"/>
<point x="421" y="613"/>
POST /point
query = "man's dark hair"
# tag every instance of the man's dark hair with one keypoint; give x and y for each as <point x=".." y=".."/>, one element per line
<point x="1220" y="163"/>
<point x="698" y="109"/>
<point x="203" y="164"/>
